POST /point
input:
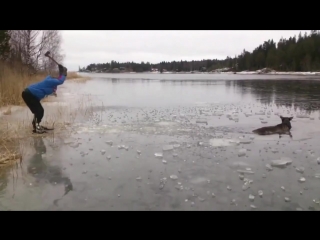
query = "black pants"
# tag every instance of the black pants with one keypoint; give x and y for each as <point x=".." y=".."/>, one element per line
<point x="34" y="105"/>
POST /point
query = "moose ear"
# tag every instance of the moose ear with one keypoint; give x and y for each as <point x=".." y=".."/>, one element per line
<point x="290" y="118"/>
<point x="281" y="117"/>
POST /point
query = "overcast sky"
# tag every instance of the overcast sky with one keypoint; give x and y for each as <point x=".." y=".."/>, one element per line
<point x="87" y="46"/>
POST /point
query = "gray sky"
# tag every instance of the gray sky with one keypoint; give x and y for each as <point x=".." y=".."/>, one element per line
<point x="87" y="46"/>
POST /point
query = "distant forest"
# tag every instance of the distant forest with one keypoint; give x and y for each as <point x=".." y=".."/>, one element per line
<point x="299" y="53"/>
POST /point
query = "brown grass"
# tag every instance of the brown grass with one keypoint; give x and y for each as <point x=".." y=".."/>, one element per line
<point x="13" y="81"/>
<point x="12" y="84"/>
<point x="10" y="148"/>
<point x="14" y="133"/>
<point x="74" y="76"/>
<point x="9" y="156"/>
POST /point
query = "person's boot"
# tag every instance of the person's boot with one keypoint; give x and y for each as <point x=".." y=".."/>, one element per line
<point x="39" y="129"/>
<point x="34" y="123"/>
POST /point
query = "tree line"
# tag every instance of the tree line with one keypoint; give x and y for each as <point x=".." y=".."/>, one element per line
<point x="298" y="53"/>
<point x="25" y="49"/>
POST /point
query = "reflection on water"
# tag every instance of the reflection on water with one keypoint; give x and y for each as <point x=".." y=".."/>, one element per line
<point x="42" y="171"/>
<point x="178" y="145"/>
<point x="3" y="181"/>
<point x="37" y="173"/>
<point x="295" y="91"/>
<point x="299" y="94"/>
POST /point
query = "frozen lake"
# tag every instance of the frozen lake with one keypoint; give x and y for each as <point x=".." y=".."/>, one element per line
<point x="171" y="142"/>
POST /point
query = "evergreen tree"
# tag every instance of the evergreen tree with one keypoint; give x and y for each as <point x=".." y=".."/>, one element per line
<point x="300" y="53"/>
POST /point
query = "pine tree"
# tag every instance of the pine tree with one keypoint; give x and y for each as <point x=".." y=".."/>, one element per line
<point x="301" y="53"/>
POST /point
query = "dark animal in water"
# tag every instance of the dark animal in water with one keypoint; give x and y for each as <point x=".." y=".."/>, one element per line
<point x="282" y="128"/>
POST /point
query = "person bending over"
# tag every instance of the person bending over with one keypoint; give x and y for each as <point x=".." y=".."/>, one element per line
<point x="34" y="93"/>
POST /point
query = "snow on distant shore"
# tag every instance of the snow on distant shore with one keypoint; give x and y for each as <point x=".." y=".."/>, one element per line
<point x="265" y="71"/>
<point x="279" y="73"/>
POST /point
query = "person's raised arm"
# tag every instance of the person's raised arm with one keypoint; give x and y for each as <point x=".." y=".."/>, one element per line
<point x="59" y="80"/>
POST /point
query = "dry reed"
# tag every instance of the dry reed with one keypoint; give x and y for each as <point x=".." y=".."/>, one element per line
<point x="12" y="82"/>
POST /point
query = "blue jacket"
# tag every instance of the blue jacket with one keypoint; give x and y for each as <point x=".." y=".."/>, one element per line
<point x="46" y="87"/>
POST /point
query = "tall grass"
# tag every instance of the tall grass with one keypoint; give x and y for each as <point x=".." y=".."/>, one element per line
<point x="14" y="80"/>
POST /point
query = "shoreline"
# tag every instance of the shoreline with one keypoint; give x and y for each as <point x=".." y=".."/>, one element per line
<point x="73" y="77"/>
<point x="226" y="73"/>
<point x="60" y="111"/>
<point x="9" y="109"/>
<point x="114" y="147"/>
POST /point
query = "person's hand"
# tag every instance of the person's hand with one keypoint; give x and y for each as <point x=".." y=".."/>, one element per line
<point x="62" y="70"/>
<point x="65" y="70"/>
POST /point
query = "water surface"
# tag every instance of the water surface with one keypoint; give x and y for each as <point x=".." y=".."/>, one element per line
<point x="174" y="142"/>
